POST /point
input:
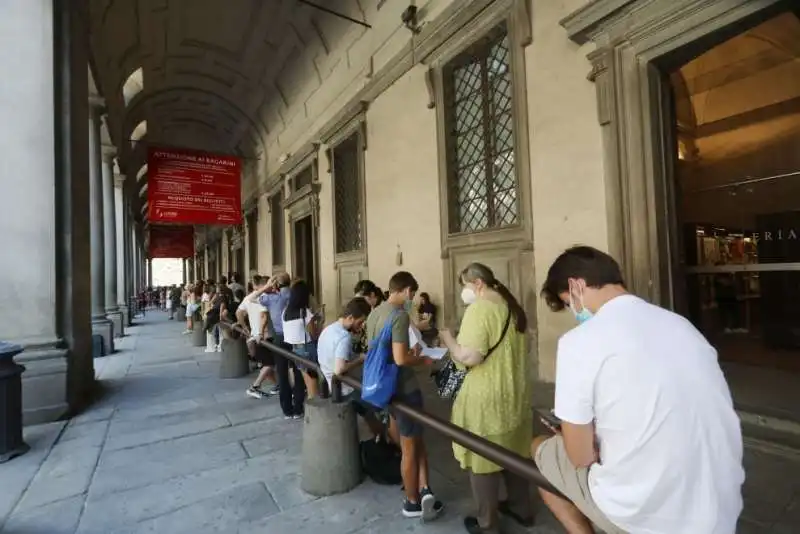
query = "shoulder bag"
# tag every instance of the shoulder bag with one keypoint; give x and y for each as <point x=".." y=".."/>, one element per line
<point x="450" y="378"/>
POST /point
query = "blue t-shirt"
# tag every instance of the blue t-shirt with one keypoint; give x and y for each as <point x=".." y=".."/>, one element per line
<point x="334" y="343"/>
<point x="275" y="303"/>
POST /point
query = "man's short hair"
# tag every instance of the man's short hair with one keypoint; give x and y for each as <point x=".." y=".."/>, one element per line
<point x="357" y="308"/>
<point x="365" y="287"/>
<point x="597" y="268"/>
<point x="401" y="281"/>
<point x="258" y="280"/>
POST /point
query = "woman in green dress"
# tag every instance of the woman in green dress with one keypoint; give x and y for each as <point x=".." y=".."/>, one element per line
<point x="495" y="398"/>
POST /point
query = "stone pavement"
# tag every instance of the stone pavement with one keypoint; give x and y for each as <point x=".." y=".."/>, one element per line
<point x="170" y="448"/>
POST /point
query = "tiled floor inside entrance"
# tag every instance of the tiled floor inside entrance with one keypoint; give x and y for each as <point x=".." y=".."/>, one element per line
<point x="171" y="448"/>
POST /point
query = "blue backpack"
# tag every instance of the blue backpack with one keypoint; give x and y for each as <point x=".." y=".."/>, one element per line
<point x="379" y="380"/>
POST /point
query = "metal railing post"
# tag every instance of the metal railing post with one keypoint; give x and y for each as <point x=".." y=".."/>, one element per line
<point x="336" y="386"/>
<point x="503" y="457"/>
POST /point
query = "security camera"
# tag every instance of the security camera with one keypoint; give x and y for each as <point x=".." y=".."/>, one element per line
<point x="409" y="18"/>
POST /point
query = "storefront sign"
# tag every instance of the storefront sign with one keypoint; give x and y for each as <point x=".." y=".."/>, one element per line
<point x="171" y="241"/>
<point x="189" y="187"/>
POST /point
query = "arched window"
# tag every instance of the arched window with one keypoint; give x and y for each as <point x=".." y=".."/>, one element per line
<point x="138" y="132"/>
<point x="133" y="85"/>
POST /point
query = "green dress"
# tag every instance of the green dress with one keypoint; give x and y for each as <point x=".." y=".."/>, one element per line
<point x="495" y="399"/>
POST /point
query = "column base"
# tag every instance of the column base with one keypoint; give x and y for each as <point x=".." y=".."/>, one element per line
<point x="104" y="328"/>
<point x="115" y="316"/>
<point x="44" y="384"/>
<point x="126" y="319"/>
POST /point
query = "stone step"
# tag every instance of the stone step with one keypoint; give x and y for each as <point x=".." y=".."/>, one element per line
<point x="770" y="433"/>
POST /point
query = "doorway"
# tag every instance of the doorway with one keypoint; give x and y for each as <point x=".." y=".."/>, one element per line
<point x="736" y="110"/>
<point x="734" y="197"/>
<point x="305" y="257"/>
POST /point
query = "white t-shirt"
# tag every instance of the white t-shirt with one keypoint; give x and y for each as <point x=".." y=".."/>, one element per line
<point x="294" y="330"/>
<point x="335" y="343"/>
<point x="670" y="441"/>
<point x="254" y="315"/>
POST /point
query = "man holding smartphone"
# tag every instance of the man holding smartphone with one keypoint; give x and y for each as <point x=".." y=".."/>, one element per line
<point x="649" y="440"/>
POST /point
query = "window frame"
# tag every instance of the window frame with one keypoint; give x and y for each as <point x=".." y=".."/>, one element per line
<point x="355" y="127"/>
<point x="275" y="200"/>
<point x="512" y="14"/>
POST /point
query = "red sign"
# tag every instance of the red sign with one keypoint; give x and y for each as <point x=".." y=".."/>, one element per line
<point x="171" y="241"/>
<point x="189" y="187"/>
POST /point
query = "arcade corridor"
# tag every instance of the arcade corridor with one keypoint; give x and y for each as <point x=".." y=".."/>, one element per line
<point x="346" y="143"/>
<point x="171" y="448"/>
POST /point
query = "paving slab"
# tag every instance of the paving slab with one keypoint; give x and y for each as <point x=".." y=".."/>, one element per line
<point x="171" y="448"/>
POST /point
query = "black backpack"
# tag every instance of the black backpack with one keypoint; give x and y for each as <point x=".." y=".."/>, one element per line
<point x="380" y="461"/>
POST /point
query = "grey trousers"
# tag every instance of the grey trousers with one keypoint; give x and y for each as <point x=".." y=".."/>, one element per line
<point x="486" y="492"/>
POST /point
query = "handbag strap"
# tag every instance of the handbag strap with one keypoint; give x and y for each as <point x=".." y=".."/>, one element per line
<point x="502" y="335"/>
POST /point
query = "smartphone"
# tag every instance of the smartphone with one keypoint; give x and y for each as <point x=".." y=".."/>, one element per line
<point x="551" y="419"/>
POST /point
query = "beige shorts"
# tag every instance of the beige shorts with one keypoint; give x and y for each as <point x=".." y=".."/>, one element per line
<point x="551" y="459"/>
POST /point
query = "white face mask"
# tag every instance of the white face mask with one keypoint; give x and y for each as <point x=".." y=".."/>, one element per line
<point x="468" y="295"/>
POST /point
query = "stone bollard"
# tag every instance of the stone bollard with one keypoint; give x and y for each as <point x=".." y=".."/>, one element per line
<point x="181" y="314"/>
<point x="11" y="442"/>
<point x="198" y="335"/>
<point x="331" y="458"/>
<point x="233" y="362"/>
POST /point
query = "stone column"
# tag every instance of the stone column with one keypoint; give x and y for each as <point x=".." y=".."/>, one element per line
<point x="122" y="237"/>
<point x="44" y="220"/>
<point x="101" y="325"/>
<point x="149" y="272"/>
<point x="110" y="242"/>
<point x="185" y="274"/>
<point x="134" y="265"/>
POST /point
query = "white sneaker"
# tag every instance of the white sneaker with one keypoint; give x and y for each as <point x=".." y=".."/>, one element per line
<point x="256" y="393"/>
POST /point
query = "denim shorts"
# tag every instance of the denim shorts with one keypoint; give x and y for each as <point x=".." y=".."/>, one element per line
<point x="361" y="408"/>
<point x="408" y="427"/>
<point x="307" y="351"/>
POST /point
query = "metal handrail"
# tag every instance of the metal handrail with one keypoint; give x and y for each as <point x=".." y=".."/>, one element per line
<point x="511" y="461"/>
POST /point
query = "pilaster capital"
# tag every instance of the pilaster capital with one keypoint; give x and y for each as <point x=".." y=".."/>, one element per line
<point x="109" y="153"/>
<point x="97" y="104"/>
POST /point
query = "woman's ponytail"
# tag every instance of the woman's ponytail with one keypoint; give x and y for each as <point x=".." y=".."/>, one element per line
<point x="520" y="318"/>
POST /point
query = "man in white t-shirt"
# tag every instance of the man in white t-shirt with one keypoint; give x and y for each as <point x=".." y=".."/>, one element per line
<point x="256" y="324"/>
<point x="649" y="441"/>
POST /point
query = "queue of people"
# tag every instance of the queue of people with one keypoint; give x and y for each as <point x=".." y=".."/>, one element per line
<point x="643" y="437"/>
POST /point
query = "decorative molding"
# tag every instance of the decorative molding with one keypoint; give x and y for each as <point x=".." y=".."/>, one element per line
<point x="119" y="181"/>
<point x="582" y="24"/>
<point x="298" y="160"/>
<point x="524" y="17"/>
<point x="472" y="29"/>
<point x="311" y="189"/>
<point x="109" y="153"/>
<point x="600" y="76"/>
<point x="329" y="159"/>
<point x="430" y="85"/>
<point x="350" y="118"/>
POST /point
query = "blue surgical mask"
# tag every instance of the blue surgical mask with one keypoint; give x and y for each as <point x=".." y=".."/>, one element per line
<point x="408" y="306"/>
<point x="581" y="316"/>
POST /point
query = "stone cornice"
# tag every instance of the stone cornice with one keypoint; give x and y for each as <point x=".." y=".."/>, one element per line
<point x="582" y="23"/>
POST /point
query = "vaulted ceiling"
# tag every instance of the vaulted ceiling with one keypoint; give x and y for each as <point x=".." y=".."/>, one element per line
<point x="213" y="75"/>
